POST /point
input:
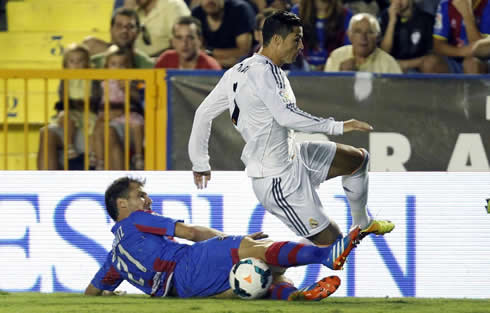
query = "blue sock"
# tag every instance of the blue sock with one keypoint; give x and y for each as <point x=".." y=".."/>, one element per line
<point x="281" y="291"/>
<point x="287" y="254"/>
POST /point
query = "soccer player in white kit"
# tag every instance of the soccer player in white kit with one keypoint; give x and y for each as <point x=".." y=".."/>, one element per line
<point x="263" y="109"/>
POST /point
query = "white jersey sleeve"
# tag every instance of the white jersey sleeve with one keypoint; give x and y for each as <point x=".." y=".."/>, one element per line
<point x="212" y="106"/>
<point x="275" y="90"/>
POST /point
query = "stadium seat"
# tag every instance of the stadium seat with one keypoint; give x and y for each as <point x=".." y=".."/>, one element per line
<point x="16" y="147"/>
<point x="35" y="49"/>
<point x="38" y="31"/>
<point x="55" y="15"/>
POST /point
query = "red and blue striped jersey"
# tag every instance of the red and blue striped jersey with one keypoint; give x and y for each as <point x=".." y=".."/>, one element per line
<point x="142" y="253"/>
<point x="449" y="24"/>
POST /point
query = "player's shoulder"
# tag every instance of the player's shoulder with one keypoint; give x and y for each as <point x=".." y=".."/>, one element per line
<point x="144" y="214"/>
<point x="260" y="66"/>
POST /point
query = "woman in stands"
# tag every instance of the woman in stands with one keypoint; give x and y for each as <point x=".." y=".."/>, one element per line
<point x="325" y="24"/>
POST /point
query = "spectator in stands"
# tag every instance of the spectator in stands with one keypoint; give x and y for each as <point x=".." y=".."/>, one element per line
<point x="481" y="49"/>
<point x="325" y="25"/>
<point x="187" y="42"/>
<point x="299" y="64"/>
<point x="278" y="4"/>
<point x="429" y="6"/>
<point x="3" y="15"/>
<point x="76" y="56"/>
<point x="458" y="25"/>
<point x="227" y="29"/>
<point x="119" y="58"/>
<point x="118" y="4"/>
<point x="366" y="6"/>
<point x="125" y="27"/>
<point x="362" y="55"/>
<point x="407" y="34"/>
<point x="157" y="18"/>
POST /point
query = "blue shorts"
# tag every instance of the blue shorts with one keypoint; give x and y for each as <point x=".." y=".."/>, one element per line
<point x="204" y="268"/>
<point x="455" y="65"/>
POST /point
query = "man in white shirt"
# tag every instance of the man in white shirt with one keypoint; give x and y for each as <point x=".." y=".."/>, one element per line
<point x="263" y="108"/>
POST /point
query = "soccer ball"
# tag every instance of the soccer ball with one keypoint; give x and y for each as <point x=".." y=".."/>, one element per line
<point x="250" y="278"/>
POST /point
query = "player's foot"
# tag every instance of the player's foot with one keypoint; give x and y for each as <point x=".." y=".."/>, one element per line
<point x="377" y="228"/>
<point x="341" y="249"/>
<point x="319" y="290"/>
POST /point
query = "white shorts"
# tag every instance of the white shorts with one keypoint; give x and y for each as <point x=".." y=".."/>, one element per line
<point x="291" y="196"/>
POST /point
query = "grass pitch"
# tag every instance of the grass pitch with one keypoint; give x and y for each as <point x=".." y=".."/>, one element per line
<point x="77" y="303"/>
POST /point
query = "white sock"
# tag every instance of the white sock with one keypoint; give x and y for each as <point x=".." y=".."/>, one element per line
<point x="356" y="189"/>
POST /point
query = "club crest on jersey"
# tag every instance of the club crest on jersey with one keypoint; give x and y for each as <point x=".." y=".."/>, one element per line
<point x="313" y="223"/>
<point x="285" y="96"/>
<point x="438" y="22"/>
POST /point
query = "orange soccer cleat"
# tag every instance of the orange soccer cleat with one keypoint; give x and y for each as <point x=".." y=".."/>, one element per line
<point x="318" y="291"/>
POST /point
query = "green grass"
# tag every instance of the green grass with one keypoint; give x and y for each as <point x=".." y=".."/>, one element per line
<point x="76" y="303"/>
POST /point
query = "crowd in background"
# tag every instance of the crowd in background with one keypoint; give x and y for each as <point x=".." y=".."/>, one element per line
<point x="430" y="36"/>
<point x="397" y="36"/>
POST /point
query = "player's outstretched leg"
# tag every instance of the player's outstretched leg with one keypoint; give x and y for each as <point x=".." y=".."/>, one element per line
<point x="341" y="248"/>
<point x="287" y="253"/>
<point x="356" y="189"/>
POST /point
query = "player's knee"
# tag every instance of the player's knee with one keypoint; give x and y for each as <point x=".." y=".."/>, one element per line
<point x="327" y="236"/>
<point x="358" y="160"/>
<point x="251" y="248"/>
<point x="365" y="159"/>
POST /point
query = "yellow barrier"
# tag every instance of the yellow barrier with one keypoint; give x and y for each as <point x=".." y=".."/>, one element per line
<point x="155" y="114"/>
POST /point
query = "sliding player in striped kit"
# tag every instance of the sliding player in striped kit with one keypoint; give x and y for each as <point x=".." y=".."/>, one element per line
<point x="144" y="254"/>
<point x="263" y="108"/>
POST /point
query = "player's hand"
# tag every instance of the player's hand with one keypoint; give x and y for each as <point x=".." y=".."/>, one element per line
<point x="114" y="293"/>
<point x="258" y="235"/>
<point x="355" y="125"/>
<point x="201" y="179"/>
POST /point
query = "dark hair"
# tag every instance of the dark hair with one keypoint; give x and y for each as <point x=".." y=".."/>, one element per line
<point x="280" y="23"/>
<point x="333" y="28"/>
<point x="126" y="12"/>
<point x="188" y="20"/>
<point x="261" y="16"/>
<point x="119" y="189"/>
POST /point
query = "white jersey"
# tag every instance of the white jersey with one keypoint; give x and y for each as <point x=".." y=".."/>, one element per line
<point x="263" y="108"/>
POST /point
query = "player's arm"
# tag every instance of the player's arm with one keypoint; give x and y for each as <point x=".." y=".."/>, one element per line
<point x="196" y="233"/>
<point x="105" y="280"/>
<point x="214" y="104"/>
<point x="287" y="114"/>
